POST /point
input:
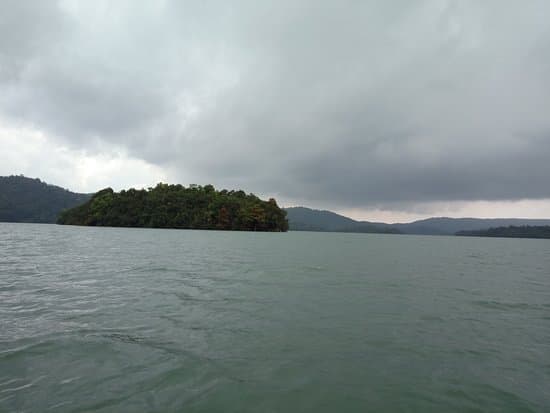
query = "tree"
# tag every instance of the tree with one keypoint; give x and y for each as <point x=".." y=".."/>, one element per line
<point x="175" y="206"/>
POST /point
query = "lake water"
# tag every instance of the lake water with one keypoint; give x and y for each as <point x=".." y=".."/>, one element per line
<point x="142" y="320"/>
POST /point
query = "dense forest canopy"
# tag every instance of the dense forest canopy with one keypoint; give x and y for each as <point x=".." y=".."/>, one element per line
<point x="25" y="199"/>
<point x="176" y="206"/>
<point x="524" y="231"/>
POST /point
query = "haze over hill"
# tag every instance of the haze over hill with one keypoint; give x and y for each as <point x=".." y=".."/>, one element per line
<point x="307" y="219"/>
<point x="388" y="113"/>
<point x="25" y="199"/>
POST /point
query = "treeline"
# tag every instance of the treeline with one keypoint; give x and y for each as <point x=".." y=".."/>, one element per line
<point x="25" y="199"/>
<point x="524" y="231"/>
<point x="176" y="206"/>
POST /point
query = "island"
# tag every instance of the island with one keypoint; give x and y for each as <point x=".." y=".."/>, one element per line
<point x="524" y="231"/>
<point x="177" y="206"/>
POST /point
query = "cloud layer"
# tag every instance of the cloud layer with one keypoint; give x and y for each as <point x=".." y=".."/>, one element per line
<point x="351" y="104"/>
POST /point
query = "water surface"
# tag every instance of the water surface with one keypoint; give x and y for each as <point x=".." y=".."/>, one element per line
<point x="141" y="320"/>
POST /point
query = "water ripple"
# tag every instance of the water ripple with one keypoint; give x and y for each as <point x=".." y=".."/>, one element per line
<point x="106" y="319"/>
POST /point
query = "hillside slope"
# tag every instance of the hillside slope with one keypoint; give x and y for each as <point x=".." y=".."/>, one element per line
<point x="450" y="226"/>
<point x="25" y="199"/>
<point x="307" y="219"/>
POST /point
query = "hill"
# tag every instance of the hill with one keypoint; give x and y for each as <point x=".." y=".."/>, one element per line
<point x="175" y="206"/>
<point x="450" y="226"/>
<point x="25" y="199"/>
<point x="306" y="219"/>
<point x="524" y="231"/>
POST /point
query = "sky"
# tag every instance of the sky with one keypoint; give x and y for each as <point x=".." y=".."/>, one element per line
<point x="383" y="111"/>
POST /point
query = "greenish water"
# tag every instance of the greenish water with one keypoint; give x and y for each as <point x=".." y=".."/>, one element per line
<point x="137" y="320"/>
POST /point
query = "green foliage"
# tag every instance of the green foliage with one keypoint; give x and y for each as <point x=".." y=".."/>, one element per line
<point x="175" y="206"/>
<point x="524" y="231"/>
<point x="31" y="200"/>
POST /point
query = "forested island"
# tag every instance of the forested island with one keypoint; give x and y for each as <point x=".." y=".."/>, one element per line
<point x="177" y="206"/>
<point x="24" y="199"/>
<point x="524" y="231"/>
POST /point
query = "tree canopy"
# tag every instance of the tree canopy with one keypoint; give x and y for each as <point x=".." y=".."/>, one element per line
<point x="177" y="206"/>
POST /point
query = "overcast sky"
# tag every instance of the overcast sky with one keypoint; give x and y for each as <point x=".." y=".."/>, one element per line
<point x="383" y="110"/>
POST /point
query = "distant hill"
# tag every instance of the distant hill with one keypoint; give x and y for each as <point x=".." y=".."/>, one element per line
<point x="177" y="206"/>
<point x="306" y="219"/>
<point x="524" y="231"/>
<point x="25" y="199"/>
<point x="450" y="226"/>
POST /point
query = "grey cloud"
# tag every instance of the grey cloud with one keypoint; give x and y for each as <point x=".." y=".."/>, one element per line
<point x="350" y="104"/>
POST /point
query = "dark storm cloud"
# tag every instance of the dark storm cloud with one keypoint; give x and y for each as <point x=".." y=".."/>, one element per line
<point x="353" y="104"/>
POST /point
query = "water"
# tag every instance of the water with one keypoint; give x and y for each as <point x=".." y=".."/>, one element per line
<point x="138" y="320"/>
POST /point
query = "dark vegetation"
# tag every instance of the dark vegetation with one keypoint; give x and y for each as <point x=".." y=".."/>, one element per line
<point x="523" y="231"/>
<point x="31" y="200"/>
<point x="176" y="206"/>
